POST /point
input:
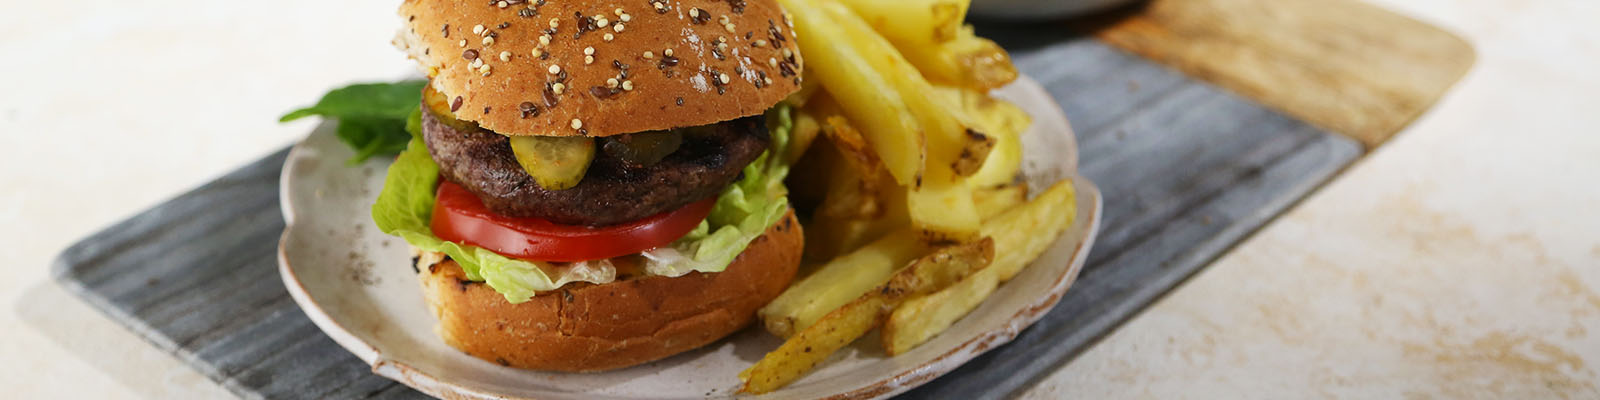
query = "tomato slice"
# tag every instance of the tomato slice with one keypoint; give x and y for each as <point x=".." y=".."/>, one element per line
<point x="459" y="216"/>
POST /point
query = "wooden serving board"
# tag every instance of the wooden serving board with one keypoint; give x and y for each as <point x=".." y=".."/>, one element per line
<point x="1343" y="65"/>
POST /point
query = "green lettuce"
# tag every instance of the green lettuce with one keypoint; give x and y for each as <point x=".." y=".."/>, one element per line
<point x="742" y="213"/>
<point x="372" y="116"/>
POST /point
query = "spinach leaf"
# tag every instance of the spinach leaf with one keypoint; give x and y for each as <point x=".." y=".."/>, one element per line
<point x="373" y="117"/>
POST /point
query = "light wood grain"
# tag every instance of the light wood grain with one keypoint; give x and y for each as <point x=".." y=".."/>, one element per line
<point x="1344" y="65"/>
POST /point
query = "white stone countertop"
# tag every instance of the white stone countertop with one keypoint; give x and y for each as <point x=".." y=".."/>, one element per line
<point x="1462" y="260"/>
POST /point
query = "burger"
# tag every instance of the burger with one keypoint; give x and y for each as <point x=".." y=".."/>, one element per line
<point x="595" y="184"/>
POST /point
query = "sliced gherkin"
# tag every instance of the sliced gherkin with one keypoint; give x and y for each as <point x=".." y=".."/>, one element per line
<point x="643" y="149"/>
<point x="556" y="163"/>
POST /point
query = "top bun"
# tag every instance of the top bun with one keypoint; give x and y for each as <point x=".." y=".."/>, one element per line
<point x="602" y="67"/>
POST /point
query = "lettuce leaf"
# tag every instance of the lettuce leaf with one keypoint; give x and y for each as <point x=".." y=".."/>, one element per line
<point x="742" y="213"/>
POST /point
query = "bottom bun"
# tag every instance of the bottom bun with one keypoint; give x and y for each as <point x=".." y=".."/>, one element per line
<point x="585" y="327"/>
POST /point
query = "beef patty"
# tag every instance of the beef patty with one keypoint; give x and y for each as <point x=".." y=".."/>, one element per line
<point x="612" y="191"/>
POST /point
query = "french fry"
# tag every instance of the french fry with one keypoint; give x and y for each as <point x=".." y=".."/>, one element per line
<point x="851" y="194"/>
<point x="913" y="22"/>
<point x="805" y="131"/>
<point x="953" y="147"/>
<point x="827" y="237"/>
<point x="939" y="204"/>
<point x="803" y="351"/>
<point x="857" y="176"/>
<point x="908" y="164"/>
<point x="1003" y="163"/>
<point x="992" y="201"/>
<point x="1023" y="233"/>
<point x="853" y="147"/>
<point x="943" y="212"/>
<point x="866" y="95"/>
<point x="1001" y="121"/>
<point x="968" y="61"/>
<point x="922" y="318"/>
<point x="838" y="281"/>
<point x="1020" y="235"/>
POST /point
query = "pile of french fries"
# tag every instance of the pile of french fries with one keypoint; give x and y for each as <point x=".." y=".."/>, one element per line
<point x="912" y="167"/>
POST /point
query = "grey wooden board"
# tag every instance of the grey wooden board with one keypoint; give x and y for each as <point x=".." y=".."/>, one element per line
<point x="1187" y="170"/>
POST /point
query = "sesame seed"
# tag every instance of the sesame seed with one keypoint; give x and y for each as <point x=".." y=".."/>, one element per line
<point x="544" y="40"/>
<point x="625" y="17"/>
<point x="694" y="13"/>
<point x="476" y="62"/>
<point x="588" y="59"/>
<point x="667" y="52"/>
<point x="648" y="55"/>
<point x="760" y="42"/>
<point x="723" y="20"/>
<point x="787" y="53"/>
<point x="554" y="22"/>
<point x="768" y="81"/>
<point x="558" y="87"/>
<point x="772" y="62"/>
<point x="617" y="11"/>
<point x="502" y="4"/>
<point x="484" y="70"/>
<point x="608" y="37"/>
<point x="477" y="29"/>
<point x="488" y="40"/>
<point x="555" y="69"/>
<point x="724" y="78"/>
<point x="617" y="28"/>
<point x="463" y="43"/>
<point x="660" y="6"/>
<point x="576" y="124"/>
<point x="588" y="51"/>
<point x="627" y="85"/>
<point x="537" y="52"/>
<point x="611" y="82"/>
<point x="505" y="56"/>
<point x="602" y="22"/>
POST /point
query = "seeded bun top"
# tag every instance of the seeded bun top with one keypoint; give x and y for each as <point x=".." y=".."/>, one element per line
<point x="602" y="67"/>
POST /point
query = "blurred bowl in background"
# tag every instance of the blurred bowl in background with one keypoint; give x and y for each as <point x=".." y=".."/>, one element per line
<point x="1040" y="9"/>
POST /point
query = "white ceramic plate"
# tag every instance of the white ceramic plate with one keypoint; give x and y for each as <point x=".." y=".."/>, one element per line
<point x="357" y="285"/>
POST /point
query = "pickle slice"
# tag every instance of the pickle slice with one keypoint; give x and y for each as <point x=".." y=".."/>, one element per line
<point x="438" y="104"/>
<point x="643" y="149"/>
<point x="556" y="163"/>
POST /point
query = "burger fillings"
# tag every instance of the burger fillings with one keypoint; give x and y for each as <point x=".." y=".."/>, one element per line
<point x="559" y="163"/>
